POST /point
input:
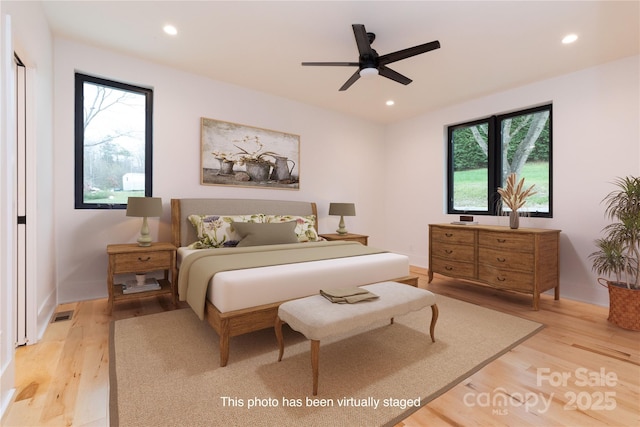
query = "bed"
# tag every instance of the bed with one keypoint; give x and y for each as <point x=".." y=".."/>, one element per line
<point x="238" y="289"/>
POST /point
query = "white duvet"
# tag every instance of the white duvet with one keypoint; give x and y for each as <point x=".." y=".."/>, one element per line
<point x="238" y="289"/>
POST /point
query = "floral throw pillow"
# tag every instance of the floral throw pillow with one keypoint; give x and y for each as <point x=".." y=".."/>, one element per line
<point x="305" y="226"/>
<point x="216" y="231"/>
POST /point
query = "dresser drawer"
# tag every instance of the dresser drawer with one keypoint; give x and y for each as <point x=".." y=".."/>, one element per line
<point x="141" y="262"/>
<point x="507" y="260"/>
<point x="454" y="252"/>
<point x="453" y="268"/>
<point x="506" y="279"/>
<point x="453" y="235"/>
<point x="506" y="241"/>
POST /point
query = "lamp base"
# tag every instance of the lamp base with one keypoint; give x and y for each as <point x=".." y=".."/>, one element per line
<point x="145" y="237"/>
<point x="144" y="241"/>
<point x="341" y="228"/>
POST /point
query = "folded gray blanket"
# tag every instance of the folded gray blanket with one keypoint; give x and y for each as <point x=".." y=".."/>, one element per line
<point x="348" y="295"/>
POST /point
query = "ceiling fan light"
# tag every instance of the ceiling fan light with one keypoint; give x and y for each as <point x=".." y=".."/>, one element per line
<point x="368" y="72"/>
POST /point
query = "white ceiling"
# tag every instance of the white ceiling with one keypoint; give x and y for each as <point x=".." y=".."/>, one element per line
<point x="487" y="46"/>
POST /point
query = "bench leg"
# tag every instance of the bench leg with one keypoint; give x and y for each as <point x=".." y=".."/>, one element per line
<point x="434" y="319"/>
<point x="278" y="328"/>
<point x="315" y="355"/>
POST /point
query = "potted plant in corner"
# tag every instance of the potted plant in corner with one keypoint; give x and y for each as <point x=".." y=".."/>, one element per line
<point x="618" y="253"/>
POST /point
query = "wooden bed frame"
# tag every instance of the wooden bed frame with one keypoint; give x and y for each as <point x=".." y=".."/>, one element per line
<point x="251" y="319"/>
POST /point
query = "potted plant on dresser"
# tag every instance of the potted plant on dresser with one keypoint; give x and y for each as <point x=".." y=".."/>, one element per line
<point x="618" y="253"/>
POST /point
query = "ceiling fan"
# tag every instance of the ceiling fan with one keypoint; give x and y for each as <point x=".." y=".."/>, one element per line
<point x="371" y="64"/>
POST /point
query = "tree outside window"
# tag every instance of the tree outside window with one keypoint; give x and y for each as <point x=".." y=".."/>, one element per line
<point x="484" y="152"/>
<point x="113" y="142"/>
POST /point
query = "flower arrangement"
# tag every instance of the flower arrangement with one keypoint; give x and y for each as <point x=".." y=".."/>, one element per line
<point x="244" y="155"/>
<point x="513" y="195"/>
<point x="257" y="156"/>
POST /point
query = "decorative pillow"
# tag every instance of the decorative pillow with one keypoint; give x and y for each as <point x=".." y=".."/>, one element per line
<point x="216" y="231"/>
<point x="305" y="226"/>
<point x="255" y="234"/>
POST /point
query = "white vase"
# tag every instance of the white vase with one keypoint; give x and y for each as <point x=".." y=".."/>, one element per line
<point x="141" y="279"/>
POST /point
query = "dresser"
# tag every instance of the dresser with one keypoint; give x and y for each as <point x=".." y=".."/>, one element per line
<point x="523" y="260"/>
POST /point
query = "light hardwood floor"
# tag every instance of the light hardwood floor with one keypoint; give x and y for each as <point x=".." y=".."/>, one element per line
<point x="63" y="380"/>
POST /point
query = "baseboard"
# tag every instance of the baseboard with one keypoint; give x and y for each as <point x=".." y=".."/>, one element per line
<point x="7" y="383"/>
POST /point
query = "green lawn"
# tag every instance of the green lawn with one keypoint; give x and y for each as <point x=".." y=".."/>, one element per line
<point x="470" y="188"/>
<point x="111" y="197"/>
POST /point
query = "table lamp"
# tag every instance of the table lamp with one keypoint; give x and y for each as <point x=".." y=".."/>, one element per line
<point x="144" y="207"/>
<point x="342" y="209"/>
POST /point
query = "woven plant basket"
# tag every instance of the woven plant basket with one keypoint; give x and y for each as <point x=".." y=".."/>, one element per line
<point x="624" y="306"/>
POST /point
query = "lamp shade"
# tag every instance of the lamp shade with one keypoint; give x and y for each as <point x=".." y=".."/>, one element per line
<point x="343" y="209"/>
<point x="144" y="206"/>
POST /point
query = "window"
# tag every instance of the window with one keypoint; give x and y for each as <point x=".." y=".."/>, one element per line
<point x="113" y="142"/>
<point x="482" y="153"/>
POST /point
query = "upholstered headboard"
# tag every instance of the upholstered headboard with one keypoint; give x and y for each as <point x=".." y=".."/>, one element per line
<point x="183" y="233"/>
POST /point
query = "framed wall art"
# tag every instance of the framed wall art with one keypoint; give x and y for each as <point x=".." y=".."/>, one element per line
<point x="240" y="155"/>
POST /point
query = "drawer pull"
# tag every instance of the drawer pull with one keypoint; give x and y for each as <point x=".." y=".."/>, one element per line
<point x="448" y="268"/>
<point x="144" y="260"/>
<point x="501" y="240"/>
<point x="448" y="234"/>
<point x="501" y="279"/>
<point x="500" y="259"/>
<point x="448" y="251"/>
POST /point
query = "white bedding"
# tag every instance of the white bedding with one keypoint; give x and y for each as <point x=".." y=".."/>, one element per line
<point x="238" y="289"/>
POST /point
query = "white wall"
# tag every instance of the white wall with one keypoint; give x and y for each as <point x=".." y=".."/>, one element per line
<point x="341" y="158"/>
<point x="7" y="228"/>
<point x="33" y="43"/>
<point x="596" y="137"/>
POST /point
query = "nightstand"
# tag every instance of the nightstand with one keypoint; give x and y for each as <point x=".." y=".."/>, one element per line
<point x="132" y="258"/>
<point x="348" y="236"/>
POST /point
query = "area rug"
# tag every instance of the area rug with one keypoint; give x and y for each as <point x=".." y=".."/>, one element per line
<point x="164" y="369"/>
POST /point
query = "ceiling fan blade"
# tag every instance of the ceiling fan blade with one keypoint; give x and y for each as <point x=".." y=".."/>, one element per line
<point x="362" y="40"/>
<point x="332" y="64"/>
<point x="393" y="75"/>
<point x="408" y="53"/>
<point x="351" y="80"/>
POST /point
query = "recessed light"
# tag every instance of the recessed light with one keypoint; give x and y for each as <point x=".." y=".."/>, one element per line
<point x="170" y="29"/>
<point x="569" y="38"/>
<point x="390" y="102"/>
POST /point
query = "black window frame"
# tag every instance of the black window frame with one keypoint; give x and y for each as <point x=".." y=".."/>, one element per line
<point x="494" y="162"/>
<point x="80" y="80"/>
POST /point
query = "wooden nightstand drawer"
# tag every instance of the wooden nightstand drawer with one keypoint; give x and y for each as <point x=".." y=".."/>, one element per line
<point x="142" y="262"/>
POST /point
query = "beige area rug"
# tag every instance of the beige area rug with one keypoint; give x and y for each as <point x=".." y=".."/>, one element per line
<point x="165" y="369"/>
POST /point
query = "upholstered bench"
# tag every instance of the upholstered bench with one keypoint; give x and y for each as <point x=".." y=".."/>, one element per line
<point x="318" y="318"/>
